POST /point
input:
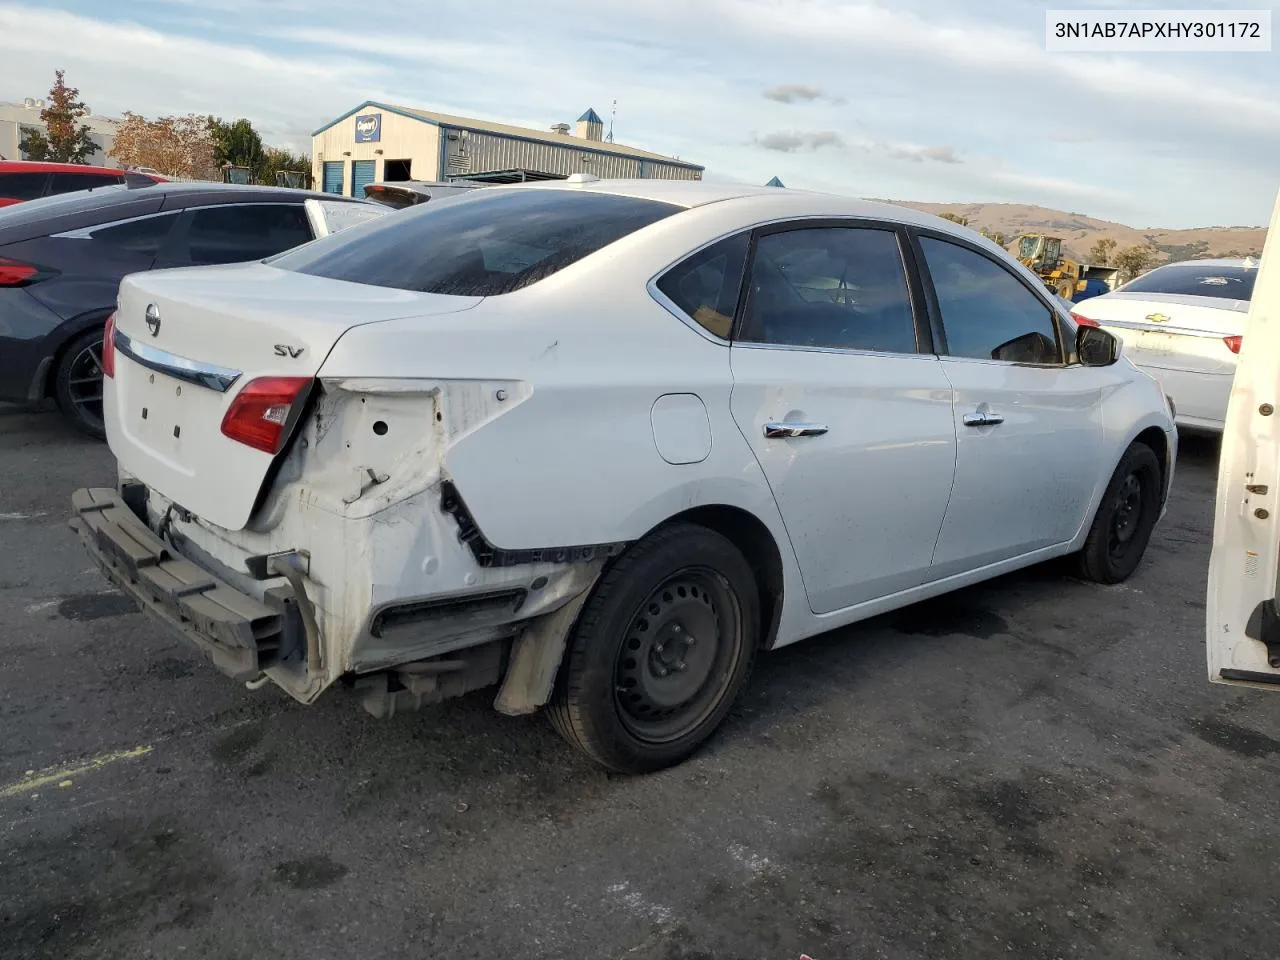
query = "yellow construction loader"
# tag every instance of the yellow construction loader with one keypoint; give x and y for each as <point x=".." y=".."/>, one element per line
<point x="1073" y="281"/>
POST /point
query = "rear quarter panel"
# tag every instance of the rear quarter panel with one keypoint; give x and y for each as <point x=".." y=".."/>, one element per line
<point x="573" y="460"/>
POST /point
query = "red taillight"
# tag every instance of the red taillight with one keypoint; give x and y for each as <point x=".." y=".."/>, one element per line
<point x="260" y="412"/>
<point x="109" y="347"/>
<point x="1233" y="343"/>
<point x="14" y="273"/>
<point x="1083" y="321"/>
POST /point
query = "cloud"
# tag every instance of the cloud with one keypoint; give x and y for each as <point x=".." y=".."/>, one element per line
<point x="941" y="154"/>
<point x="1175" y="139"/>
<point x="792" y="92"/>
<point x="793" y="142"/>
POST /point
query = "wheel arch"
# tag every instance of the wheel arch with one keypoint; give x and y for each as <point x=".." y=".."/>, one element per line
<point x="72" y="329"/>
<point x="1158" y="441"/>
<point x="754" y="540"/>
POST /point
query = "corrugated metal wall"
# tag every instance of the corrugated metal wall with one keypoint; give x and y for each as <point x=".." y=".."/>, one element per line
<point x="483" y="153"/>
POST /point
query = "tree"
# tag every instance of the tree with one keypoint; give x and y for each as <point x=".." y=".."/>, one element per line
<point x="65" y="139"/>
<point x="274" y="159"/>
<point x="236" y="143"/>
<point x="1133" y="260"/>
<point x="955" y="218"/>
<point x="1100" y="252"/>
<point x="998" y="237"/>
<point x="173" y="146"/>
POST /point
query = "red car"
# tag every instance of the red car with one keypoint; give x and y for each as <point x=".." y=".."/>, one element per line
<point x="27" y="179"/>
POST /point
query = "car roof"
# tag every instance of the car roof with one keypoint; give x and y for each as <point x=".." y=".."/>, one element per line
<point x="81" y="208"/>
<point x="246" y="192"/>
<point x="772" y="201"/>
<point x="40" y="166"/>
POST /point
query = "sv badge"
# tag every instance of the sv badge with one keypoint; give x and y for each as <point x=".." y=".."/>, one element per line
<point x="285" y="350"/>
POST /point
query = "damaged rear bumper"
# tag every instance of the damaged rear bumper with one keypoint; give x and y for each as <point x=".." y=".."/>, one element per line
<point x="240" y="634"/>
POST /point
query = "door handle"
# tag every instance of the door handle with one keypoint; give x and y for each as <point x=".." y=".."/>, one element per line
<point x="984" y="419"/>
<point x="785" y="429"/>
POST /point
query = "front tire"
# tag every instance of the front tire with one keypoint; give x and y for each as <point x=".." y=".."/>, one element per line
<point x="660" y="651"/>
<point x="1125" y="519"/>
<point x="77" y="383"/>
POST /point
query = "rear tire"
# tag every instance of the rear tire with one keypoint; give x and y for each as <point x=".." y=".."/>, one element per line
<point x="1126" y="516"/>
<point x="660" y="651"/>
<point x="78" y="384"/>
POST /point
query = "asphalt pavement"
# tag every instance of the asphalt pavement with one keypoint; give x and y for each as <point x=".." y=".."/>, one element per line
<point x="1036" y="767"/>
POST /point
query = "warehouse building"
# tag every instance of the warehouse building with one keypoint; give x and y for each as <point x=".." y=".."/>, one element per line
<point x="378" y="142"/>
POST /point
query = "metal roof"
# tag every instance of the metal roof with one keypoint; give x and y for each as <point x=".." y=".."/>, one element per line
<point x="590" y="116"/>
<point x="507" y="130"/>
<point x="775" y="182"/>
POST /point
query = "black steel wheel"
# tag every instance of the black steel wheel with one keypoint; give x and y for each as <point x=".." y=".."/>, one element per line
<point x="78" y="383"/>
<point x="1125" y="519"/>
<point x="660" y="650"/>
<point x="678" y="656"/>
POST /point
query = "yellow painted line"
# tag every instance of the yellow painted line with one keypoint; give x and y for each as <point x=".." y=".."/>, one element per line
<point x="62" y="775"/>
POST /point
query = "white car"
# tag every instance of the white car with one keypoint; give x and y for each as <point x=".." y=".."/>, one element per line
<point x="1182" y="323"/>
<point x="599" y="442"/>
<point x="1241" y="615"/>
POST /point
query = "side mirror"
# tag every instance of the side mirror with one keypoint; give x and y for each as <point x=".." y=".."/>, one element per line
<point x="1096" y="348"/>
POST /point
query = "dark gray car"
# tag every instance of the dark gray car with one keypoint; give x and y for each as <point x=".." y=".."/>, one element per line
<point x="62" y="259"/>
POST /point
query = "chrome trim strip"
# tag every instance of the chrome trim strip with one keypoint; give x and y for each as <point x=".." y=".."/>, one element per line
<point x="1160" y="328"/>
<point x="180" y="368"/>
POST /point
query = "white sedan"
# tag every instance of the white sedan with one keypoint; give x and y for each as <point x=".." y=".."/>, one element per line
<point x="597" y="443"/>
<point x="1182" y="323"/>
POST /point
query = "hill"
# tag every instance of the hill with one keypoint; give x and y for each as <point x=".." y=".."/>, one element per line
<point x="1079" y="233"/>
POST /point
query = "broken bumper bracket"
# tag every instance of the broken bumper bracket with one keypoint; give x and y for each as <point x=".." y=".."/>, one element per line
<point x="238" y="633"/>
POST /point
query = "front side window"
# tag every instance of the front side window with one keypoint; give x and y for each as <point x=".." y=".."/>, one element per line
<point x="243" y="232"/>
<point x="987" y="313"/>
<point x="144" y="237"/>
<point x="841" y="287"/>
<point x="706" y="286"/>
<point x="67" y="182"/>
<point x="493" y="242"/>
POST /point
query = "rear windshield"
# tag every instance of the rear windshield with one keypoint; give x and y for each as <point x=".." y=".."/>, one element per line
<point x="60" y="204"/>
<point x="1189" y="279"/>
<point x="493" y="242"/>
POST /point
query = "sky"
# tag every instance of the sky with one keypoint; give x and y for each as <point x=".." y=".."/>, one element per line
<point x="905" y="100"/>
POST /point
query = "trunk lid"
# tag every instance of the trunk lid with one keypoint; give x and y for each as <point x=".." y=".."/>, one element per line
<point x="1171" y="333"/>
<point x="212" y="331"/>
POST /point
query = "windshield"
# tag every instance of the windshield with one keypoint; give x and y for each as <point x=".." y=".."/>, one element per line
<point x="1196" y="280"/>
<point x="493" y="242"/>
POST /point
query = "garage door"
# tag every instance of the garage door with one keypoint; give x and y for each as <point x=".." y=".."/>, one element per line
<point x="333" y="176"/>
<point x="361" y="174"/>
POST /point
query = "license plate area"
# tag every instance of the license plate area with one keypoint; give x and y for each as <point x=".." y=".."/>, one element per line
<point x="164" y="415"/>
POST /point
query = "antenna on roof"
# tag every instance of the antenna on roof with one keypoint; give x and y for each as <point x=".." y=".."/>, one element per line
<point x="612" y="113"/>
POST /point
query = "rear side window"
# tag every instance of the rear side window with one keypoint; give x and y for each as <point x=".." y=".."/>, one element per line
<point x="841" y="287"/>
<point x="22" y="186"/>
<point x="235" y="234"/>
<point x="706" y="286"/>
<point x="1226" y="283"/>
<point x="66" y="182"/>
<point x="144" y="237"/>
<point x="477" y="246"/>
<point x="987" y="314"/>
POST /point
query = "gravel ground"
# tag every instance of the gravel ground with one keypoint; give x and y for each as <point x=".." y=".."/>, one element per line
<point x="1035" y="767"/>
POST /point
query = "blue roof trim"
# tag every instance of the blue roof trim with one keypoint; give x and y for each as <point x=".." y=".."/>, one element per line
<point x="369" y="103"/>
<point x="590" y="116"/>
<point x="775" y="182"/>
<point x="573" y="143"/>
